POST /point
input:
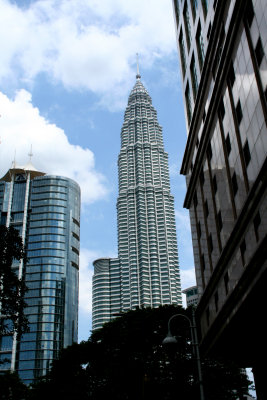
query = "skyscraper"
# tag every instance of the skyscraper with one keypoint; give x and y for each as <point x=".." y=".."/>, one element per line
<point x="146" y="273"/>
<point x="223" y="47"/>
<point x="191" y="295"/>
<point x="46" y="211"/>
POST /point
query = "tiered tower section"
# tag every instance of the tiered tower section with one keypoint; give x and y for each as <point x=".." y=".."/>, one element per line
<point x="146" y="223"/>
<point x="147" y="243"/>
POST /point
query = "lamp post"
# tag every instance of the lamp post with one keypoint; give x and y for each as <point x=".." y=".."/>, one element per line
<point x="193" y="329"/>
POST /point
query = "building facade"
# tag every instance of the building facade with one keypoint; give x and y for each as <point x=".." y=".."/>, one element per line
<point x="222" y="47"/>
<point x="191" y="295"/>
<point x="46" y="211"/>
<point x="146" y="273"/>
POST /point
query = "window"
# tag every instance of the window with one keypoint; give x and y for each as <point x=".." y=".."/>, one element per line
<point x="205" y="7"/>
<point x="194" y="6"/>
<point x="200" y="46"/>
<point x="193" y="72"/>
<point x="206" y="208"/>
<point x="256" y="223"/>
<point x="177" y="12"/>
<point x="195" y="200"/>
<point x="222" y="110"/>
<point x="182" y="52"/>
<point x="76" y="222"/>
<point x="220" y="223"/>
<point x="249" y="13"/>
<point x="210" y="243"/>
<point x="199" y="229"/>
<point x="209" y="152"/>
<point x="201" y="177"/>
<point x="209" y="31"/>
<point x="76" y="236"/>
<point x="231" y="74"/>
<point x="219" y="50"/>
<point x="246" y="153"/>
<point x="234" y="184"/>
<point x="228" y="144"/>
<point x="214" y="184"/>
<point x="259" y="52"/>
<point x="203" y="264"/>
<point x="188" y="103"/>
<point x="239" y="113"/>
<point x="243" y="248"/>
<point x="226" y="282"/>
<point x="187" y="26"/>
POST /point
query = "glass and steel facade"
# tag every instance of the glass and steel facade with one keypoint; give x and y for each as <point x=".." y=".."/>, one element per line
<point x="46" y="211"/>
<point x="224" y="74"/>
<point x="147" y="270"/>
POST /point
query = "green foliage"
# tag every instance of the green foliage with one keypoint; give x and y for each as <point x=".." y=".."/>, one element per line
<point x="126" y="360"/>
<point x="12" y="289"/>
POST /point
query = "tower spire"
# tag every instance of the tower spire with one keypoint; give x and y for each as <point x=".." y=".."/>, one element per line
<point x="30" y="154"/>
<point x="14" y="162"/>
<point x="138" y="76"/>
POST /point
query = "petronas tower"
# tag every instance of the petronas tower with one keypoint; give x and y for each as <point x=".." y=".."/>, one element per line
<point x="146" y="273"/>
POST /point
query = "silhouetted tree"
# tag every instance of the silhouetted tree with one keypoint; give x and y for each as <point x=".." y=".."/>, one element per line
<point x="12" y="388"/>
<point x="126" y="360"/>
<point x="12" y="288"/>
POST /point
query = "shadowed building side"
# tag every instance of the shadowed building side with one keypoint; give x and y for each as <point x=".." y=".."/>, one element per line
<point x="223" y="47"/>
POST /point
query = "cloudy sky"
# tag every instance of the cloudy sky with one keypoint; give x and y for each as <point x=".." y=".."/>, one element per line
<point x="66" y="71"/>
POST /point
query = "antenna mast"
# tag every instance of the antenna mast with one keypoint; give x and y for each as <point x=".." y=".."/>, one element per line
<point x="30" y="154"/>
<point x="138" y="76"/>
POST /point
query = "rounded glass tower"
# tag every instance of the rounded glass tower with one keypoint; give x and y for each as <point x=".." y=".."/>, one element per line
<point x="46" y="211"/>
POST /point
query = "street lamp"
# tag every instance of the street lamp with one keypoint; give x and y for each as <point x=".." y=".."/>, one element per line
<point x="193" y="329"/>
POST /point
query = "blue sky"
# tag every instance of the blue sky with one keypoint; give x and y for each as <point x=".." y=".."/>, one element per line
<point x="67" y="68"/>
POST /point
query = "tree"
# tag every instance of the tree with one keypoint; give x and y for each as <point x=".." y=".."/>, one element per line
<point x="126" y="360"/>
<point x="12" y="289"/>
<point x="12" y="388"/>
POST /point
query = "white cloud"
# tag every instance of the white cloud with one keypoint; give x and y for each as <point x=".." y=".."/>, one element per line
<point x="174" y="170"/>
<point x="85" y="44"/>
<point x="85" y="291"/>
<point x="183" y="220"/>
<point x="86" y="271"/>
<point x="188" y="277"/>
<point x="85" y="279"/>
<point x="22" y="126"/>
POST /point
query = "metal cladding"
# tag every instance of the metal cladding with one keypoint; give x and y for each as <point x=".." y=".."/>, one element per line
<point x="45" y="210"/>
<point x="147" y="244"/>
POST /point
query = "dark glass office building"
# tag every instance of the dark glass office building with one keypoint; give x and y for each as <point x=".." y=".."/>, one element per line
<point x="46" y="211"/>
<point x="223" y="48"/>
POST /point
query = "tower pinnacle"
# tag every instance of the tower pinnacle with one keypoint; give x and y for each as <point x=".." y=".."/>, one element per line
<point x="30" y="154"/>
<point x="138" y="76"/>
